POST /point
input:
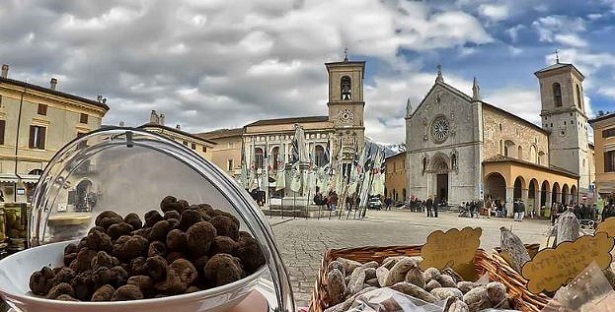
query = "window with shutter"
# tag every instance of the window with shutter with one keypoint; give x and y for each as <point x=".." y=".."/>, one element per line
<point x="42" y="109"/>
<point x="37" y="137"/>
<point x="2" y="126"/>
<point x="83" y="118"/>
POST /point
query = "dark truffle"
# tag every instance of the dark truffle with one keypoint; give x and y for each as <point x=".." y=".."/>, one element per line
<point x="136" y="246"/>
<point x="64" y="275"/>
<point x="174" y="255"/>
<point x="137" y="266"/>
<point x="223" y="244"/>
<point x="176" y="240"/>
<point x="172" y="214"/>
<point x="172" y="284"/>
<point x="127" y="292"/>
<point x="151" y="217"/>
<point x="103" y="259"/>
<point x="156" y="267"/>
<point x="144" y="282"/>
<point x="223" y="269"/>
<point x="134" y="220"/>
<point x="119" y="229"/>
<point x="66" y="298"/>
<point x="225" y="227"/>
<point x="106" y="218"/>
<point x="103" y="293"/>
<point x="188" y="218"/>
<point x="60" y="289"/>
<point x="168" y="203"/>
<point x="199" y="238"/>
<point x="69" y="258"/>
<point x="157" y="248"/>
<point x="249" y="251"/>
<point x="218" y="212"/>
<point x="186" y="271"/>
<point x="174" y="223"/>
<point x="142" y="232"/>
<point x="41" y="281"/>
<point x="160" y="230"/>
<point x="84" y="260"/>
<point x="70" y="248"/>
<point x="244" y="234"/>
<point x="192" y="289"/>
<point x="98" y="240"/>
<point x="83" y="285"/>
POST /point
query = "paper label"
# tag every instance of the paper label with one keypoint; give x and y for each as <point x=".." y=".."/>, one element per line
<point x="552" y="268"/>
<point x="455" y="249"/>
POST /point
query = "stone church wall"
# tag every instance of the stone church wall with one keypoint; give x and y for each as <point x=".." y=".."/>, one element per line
<point x="500" y="127"/>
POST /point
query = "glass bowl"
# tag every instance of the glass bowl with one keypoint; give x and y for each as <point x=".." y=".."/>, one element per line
<point x="127" y="170"/>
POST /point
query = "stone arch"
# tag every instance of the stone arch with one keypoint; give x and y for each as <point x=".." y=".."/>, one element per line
<point x="319" y="152"/>
<point x="557" y="94"/>
<point x="439" y="162"/>
<point x="259" y="157"/>
<point x="544" y="193"/>
<point x="533" y="154"/>
<point x="573" y="194"/>
<point x="565" y="194"/>
<point x="542" y="159"/>
<point x="533" y="196"/>
<point x="509" y="148"/>
<point x="346" y="87"/>
<point x="518" y="187"/>
<point x="495" y="186"/>
<point x="555" y="192"/>
<point x="275" y="151"/>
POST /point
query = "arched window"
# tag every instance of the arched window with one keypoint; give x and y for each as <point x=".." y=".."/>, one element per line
<point x="346" y="88"/>
<point x="320" y="156"/>
<point x="501" y="147"/>
<point x="454" y="161"/>
<point x="557" y="94"/>
<point x="424" y="164"/>
<point x="275" y="152"/>
<point x="579" y="103"/>
<point x="259" y="158"/>
<point x="520" y="152"/>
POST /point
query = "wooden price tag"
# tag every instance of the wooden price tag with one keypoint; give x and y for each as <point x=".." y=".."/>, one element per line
<point x="455" y="249"/>
<point x="607" y="226"/>
<point x="552" y="268"/>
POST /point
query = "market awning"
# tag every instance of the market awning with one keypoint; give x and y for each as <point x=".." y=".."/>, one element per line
<point x="8" y="177"/>
<point x="29" y="178"/>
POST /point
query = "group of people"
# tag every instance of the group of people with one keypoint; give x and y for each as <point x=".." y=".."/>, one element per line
<point x="330" y="200"/>
<point x="470" y="209"/>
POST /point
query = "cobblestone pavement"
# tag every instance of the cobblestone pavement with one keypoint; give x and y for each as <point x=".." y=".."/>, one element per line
<point x="302" y="243"/>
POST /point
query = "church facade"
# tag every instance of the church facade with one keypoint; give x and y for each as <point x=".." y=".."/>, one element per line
<point x="460" y="148"/>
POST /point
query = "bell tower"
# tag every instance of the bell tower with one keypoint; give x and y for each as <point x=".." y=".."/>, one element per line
<point x="564" y="116"/>
<point x="346" y="105"/>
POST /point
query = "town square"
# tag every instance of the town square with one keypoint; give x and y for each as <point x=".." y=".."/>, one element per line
<point x="307" y="156"/>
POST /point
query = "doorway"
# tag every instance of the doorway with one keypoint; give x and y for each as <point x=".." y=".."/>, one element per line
<point x="442" y="186"/>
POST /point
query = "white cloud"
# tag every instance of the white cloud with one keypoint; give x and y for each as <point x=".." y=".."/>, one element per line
<point x="515" y="51"/>
<point x="607" y="91"/>
<point x="548" y="27"/>
<point x="513" y="32"/>
<point x="571" y="40"/>
<point x="494" y="12"/>
<point x="524" y="103"/>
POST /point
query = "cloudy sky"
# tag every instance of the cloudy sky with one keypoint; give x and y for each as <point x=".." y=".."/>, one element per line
<point x="210" y="64"/>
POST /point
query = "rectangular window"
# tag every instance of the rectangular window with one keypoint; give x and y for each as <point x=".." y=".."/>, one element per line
<point x="0" y="100"/>
<point x="83" y="118"/>
<point x="608" y="133"/>
<point x="37" y="137"/>
<point x="193" y="146"/>
<point x="2" y="127"/>
<point x="609" y="161"/>
<point x="42" y="109"/>
<point x="229" y="165"/>
<point x="185" y="143"/>
<point x="204" y="149"/>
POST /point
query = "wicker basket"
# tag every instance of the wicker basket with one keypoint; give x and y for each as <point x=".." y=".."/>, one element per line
<point x="540" y="300"/>
<point x="483" y="263"/>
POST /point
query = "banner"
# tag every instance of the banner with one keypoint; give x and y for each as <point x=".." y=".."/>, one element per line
<point x="280" y="178"/>
<point x="295" y="178"/>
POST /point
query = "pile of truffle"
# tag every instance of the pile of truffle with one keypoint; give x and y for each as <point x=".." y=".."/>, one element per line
<point x="347" y="280"/>
<point x="187" y="249"/>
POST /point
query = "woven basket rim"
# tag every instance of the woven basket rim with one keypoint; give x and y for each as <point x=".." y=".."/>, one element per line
<point x="483" y="261"/>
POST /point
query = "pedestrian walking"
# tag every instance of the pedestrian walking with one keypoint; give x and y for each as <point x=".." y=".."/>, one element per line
<point x="435" y="209"/>
<point x="429" y="205"/>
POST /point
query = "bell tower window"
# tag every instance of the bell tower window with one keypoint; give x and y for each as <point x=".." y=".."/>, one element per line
<point x="345" y="86"/>
<point x="557" y="94"/>
<point x="579" y="103"/>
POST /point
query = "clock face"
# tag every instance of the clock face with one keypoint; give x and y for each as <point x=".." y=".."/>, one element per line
<point x="440" y="129"/>
<point x="345" y="115"/>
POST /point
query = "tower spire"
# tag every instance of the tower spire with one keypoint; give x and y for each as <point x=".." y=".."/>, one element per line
<point x="556" y="56"/>
<point x="345" y="54"/>
<point x="408" y="108"/>
<point x="439" y="77"/>
<point x="475" y="91"/>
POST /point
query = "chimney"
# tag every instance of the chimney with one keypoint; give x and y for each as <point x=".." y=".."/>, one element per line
<point x="5" y="71"/>
<point x="53" y="83"/>
<point x="99" y="98"/>
<point x="178" y="127"/>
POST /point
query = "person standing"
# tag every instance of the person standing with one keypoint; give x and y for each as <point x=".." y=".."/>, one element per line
<point x="516" y="210"/>
<point x="435" y="208"/>
<point x="429" y="205"/>
<point x="553" y="213"/>
<point x="521" y="210"/>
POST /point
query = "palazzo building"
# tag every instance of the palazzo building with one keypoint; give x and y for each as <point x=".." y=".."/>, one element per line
<point x="460" y="148"/>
